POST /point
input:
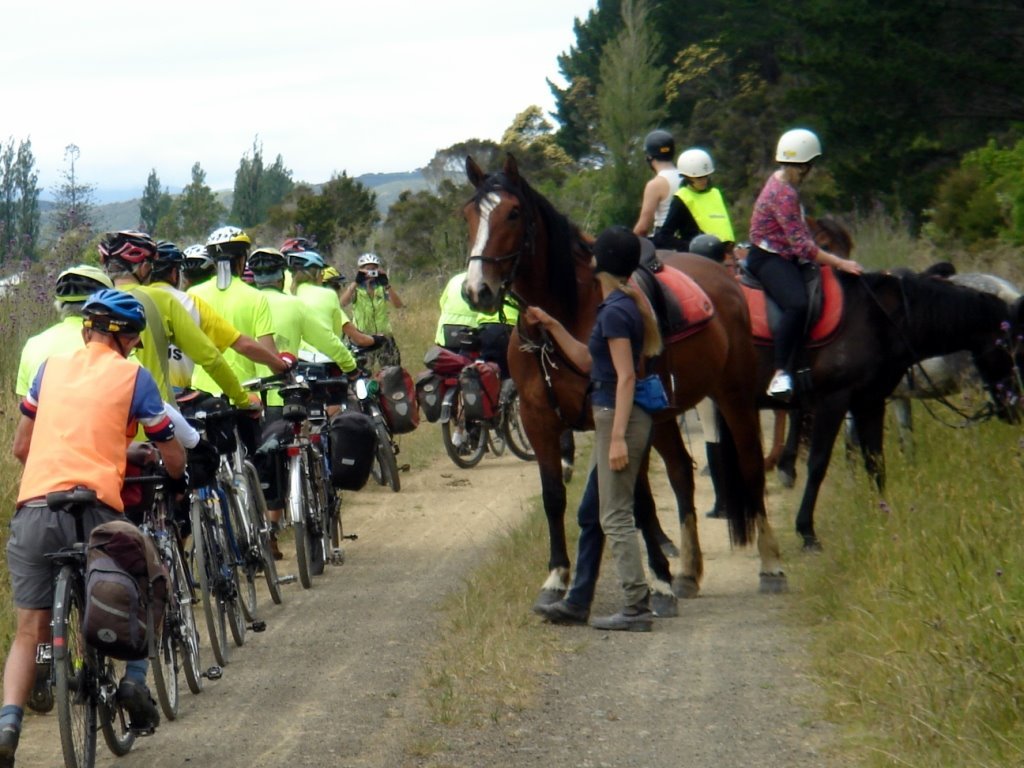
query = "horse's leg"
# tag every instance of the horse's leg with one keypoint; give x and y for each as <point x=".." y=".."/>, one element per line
<point x="663" y="602"/>
<point x="870" y="420"/>
<point x="567" y="447"/>
<point x="553" y="497"/>
<point x="905" y="420"/>
<point x="787" y="459"/>
<point x="828" y="417"/>
<point x="668" y="442"/>
<point x="771" y="461"/>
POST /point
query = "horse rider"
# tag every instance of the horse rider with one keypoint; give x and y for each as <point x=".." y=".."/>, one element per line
<point x="780" y="239"/>
<point x="659" y="148"/>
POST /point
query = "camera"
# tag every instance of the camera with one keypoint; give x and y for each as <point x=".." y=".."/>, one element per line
<point x="372" y="272"/>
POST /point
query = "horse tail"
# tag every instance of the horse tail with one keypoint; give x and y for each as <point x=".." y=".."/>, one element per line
<point x="740" y="510"/>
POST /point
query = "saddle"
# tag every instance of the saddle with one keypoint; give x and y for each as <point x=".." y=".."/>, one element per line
<point x="825" y="305"/>
<point x="681" y="306"/>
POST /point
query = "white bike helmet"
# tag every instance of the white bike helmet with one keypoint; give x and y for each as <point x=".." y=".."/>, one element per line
<point x="368" y="260"/>
<point x="797" y="146"/>
<point x="695" y="163"/>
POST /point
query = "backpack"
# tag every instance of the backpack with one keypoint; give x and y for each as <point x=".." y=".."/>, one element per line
<point x="125" y="591"/>
<point x="430" y="394"/>
<point x="353" y="447"/>
<point x="481" y="385"/>
<point x="398" y="399"/>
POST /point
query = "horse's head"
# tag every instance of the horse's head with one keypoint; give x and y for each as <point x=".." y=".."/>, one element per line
<point x="500" y="231"/>
<point x="831" y="235"/>
<point x="1000" y="362"/>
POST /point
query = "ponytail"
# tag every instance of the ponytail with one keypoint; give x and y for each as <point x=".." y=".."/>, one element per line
<point x="652" y="345"/>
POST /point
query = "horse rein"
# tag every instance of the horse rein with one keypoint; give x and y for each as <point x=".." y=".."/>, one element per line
<point x="545" y="352"/>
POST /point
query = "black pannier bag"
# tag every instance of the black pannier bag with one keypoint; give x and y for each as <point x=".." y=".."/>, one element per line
<point x="430" y="394"/>
<point x="398" y="399"/>
<point x="353" y="445"/>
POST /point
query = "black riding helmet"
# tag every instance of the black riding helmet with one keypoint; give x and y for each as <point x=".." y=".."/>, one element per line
<point x="708" y="246"/>
<point x="659" y="145"/>
<point x="617" y="252"/>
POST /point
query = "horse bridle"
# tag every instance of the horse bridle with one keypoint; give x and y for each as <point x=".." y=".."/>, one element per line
<point x="525" y="246"/>
<point x="545" y="351"/>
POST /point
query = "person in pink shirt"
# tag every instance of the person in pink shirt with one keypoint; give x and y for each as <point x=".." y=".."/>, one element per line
<point x="779" y="241"/>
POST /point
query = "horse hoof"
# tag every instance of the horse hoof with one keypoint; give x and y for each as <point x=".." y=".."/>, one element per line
<point x="685" y="587"/>
<point x="664" y="606"/>
<point x="773" y="584"/>
<point x="811" y="544"/>
<point x="549" y="597"/>
<point x="669" y="549"/>
<point x="787" y="478"/>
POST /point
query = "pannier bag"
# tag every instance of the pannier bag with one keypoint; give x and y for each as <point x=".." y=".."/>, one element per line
<point x="125" y="591"/>
<point x="217" y="416"/>
<point x="429" y="394"/>
<point x="353" y="446"/>
<point x="480" y="382"/>
<point x="398" y="399"/>
<point x="444" y="361"/>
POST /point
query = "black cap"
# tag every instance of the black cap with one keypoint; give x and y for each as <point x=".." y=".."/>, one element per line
<point x="617" y="251"/>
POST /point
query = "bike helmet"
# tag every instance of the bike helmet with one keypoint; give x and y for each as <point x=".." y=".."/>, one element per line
<point x="797" y="146"/>
<point x="695" y="163"/>
<point x="130" y="246"/>
<point x="228" y="243"/>
<point x="617" y="251"/>
<point x="659" y="145"/>
<point x="197" y="258"/>
<point x="708" y="246"/>
<point x="293" y="244"/>
<point x="305" y="260"/>
<point x="266" y="260"/>
<point x="113" y="311"/>
<point x="332" y="277"/>
<point x="368" y="260"/>
<point x="79" y="283"/>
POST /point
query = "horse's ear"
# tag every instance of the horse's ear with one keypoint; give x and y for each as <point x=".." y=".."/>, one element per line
<point x="511" y="169"/>
<point x="474" y="172"/>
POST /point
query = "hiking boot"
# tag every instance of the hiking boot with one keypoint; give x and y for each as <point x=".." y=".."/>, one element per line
<point x="781" y="386"/>
<point x="9" y="736"/>
<point x="138" y="703"/>
<point x="632" y="618"/>
<point x="41" y="698"/>
<point x="562" y="612"/>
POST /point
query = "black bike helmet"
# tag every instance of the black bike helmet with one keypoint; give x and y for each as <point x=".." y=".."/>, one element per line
<point x="266" y="260"/>
<point x="659" y="145"/>
<point x="130" y="246"/>
<point x="708" y="246"/>
<point x="168" y="256"/>
<point x="77" y="284"/>
<point x="113" y="311"/>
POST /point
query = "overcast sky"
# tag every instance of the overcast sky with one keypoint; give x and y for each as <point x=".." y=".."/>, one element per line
<point x="370" y="86"/>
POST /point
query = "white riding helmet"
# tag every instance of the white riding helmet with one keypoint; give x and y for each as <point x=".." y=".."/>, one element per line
<point x="695" y="163"/>
<point x="368" y="260"/>
<point x="798" y="146"/>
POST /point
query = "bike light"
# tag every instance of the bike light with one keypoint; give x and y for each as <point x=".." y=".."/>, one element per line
<point x="361" y="389"/>
<point x="292" y="451"/>
<point x="315" y="438"/>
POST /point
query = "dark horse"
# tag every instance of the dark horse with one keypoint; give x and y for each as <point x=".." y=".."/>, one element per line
<point x="519" y="243"/>
<point x="890" y="322"/>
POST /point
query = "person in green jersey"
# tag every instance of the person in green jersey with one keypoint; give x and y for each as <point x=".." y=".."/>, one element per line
<point x="371" y="297"/>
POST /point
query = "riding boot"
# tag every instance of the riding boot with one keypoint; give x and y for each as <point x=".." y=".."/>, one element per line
<point x="714" y="453"/>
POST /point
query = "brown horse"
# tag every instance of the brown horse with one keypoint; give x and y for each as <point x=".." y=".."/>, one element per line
<point x="520" y="244"/>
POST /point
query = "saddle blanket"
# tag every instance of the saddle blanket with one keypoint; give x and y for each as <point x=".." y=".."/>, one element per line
<point x="824" y="326"/>
<point x="681" y="306"/>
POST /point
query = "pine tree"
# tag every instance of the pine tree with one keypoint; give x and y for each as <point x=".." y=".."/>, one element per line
<point x="74" y="198"/>
<point x="155" y="203"/>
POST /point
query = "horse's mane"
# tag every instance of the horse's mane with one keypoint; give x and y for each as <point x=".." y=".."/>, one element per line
<point x="563" y="236"/>
<point x="946" y="308"/>
<point x="832" y="232"/>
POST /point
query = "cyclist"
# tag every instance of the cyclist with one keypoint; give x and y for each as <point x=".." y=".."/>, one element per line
<point x="167" y="275"/>
<point x="306" y="268"/>
<point x="127" y="257"/>
<point x="371" y="297"/>
<point x="73" y="287"/>
<point x="456" y="315"/>
<point x="292" y="324"/>
<point x="659" y="147"/>
<point x="196" y="267"/>
<point x="72" y="433"/>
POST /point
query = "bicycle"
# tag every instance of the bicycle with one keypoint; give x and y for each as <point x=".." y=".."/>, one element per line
<point x="367" y="399"/>
<point x="85" y="679"/>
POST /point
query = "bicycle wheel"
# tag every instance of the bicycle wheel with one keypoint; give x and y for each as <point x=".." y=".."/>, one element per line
<point x="262" y="533"/>
<point x="472" y="436"/>
<point x="297" y="503"/>
<point x="512" y="426"/>
<point x="206" y="568"/>
<point x="385" y="459"/>
<point x="316" y="519"/>
<point x="164" y="665"/>
<point x="112" y="716"/>
<point x="76" y="704"/>
<point x="186" y="635"/>
<point x="242" y="553"/>
<point x="496" y="442"/>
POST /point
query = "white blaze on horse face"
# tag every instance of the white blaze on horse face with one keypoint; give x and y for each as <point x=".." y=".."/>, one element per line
<point x="475" y="274"/>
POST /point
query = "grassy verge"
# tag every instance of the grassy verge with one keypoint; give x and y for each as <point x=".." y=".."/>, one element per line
<point x="916" y="605"/>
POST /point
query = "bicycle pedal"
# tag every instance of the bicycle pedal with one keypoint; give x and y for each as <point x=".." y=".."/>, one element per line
<point x="405" y="468"/>
<point x="258" y="626"/>
<point x="214" y="673"/>
<point x="288" y="578"/>
<point x="351" y="536"/>
<point x="337" y="557"/>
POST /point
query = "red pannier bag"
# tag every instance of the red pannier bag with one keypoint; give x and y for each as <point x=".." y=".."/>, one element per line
<point x="398" y="399"/>
<point x="444" y="361"/>
<point x="480" y="382"/>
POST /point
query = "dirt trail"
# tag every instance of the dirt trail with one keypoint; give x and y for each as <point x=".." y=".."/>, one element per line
<point x="332" y="682"/>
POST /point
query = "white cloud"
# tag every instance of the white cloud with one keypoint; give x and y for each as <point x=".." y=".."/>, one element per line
<point x="352" y="86"/>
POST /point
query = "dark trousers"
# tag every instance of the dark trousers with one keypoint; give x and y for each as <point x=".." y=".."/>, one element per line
<point x="785" y="285"/>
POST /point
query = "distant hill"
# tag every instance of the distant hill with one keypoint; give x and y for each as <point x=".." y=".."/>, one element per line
<point x="112" y="216"/>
